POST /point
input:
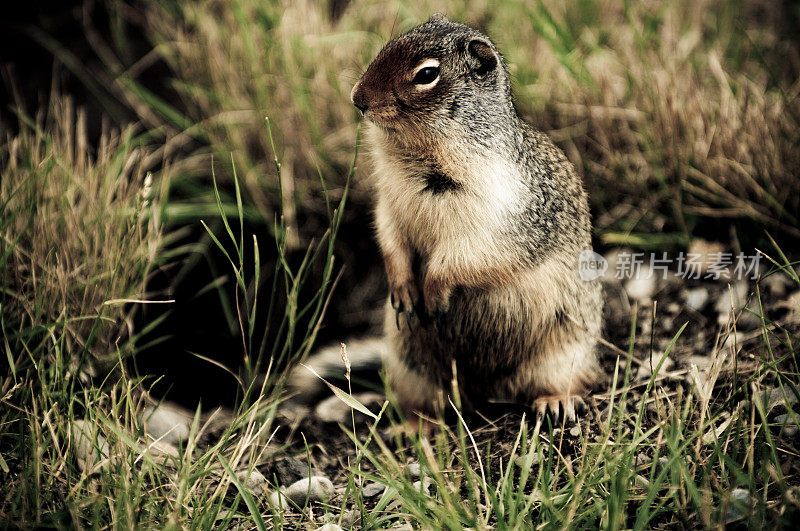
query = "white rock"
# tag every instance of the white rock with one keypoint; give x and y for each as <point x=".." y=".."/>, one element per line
<point x="788" y="424"/>
<point x="167" y="423"/>
<point x="330" y="527"/>
<point x="521" y="460"/>
<point x="643" y="284"/>
<point x="332" y="409"/>
<point x="373" y="489"/>
<point x="349" y="518"/>
<point x="90" y="447"/>
<point x="697" y="298"/>
<point x="793" y="305"/>
<point x="413" y="469"/>
<point x="316" y="488"/>
<point x="277" y="499"/>
<point x="735" y="296"/>
<point x="612" y="258"/>
<point x="707" y="255"/>
<point x="734" y="340"/>
<point x="739" y="498"/>
<point x="732" y="304"/>
<point x="703" y="362"/>
<point x="254" y="481"/>
<point x="163" y="453"/>
<point x="424" y="485"/>
<point x="777" y="284"/>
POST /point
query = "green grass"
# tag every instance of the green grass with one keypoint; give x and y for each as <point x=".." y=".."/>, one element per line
<point x="682" y="117"/>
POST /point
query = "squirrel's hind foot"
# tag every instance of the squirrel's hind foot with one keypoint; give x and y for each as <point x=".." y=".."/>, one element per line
<point x="561" y="408"/>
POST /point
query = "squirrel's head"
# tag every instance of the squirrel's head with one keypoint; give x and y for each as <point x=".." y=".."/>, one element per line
<point x="438" y="78"/>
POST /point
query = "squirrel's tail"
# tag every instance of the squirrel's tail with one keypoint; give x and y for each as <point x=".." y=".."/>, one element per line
<point x="366" y="360"/>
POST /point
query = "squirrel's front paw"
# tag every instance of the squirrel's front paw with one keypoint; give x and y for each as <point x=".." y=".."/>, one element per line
<point x="404" y="298"/>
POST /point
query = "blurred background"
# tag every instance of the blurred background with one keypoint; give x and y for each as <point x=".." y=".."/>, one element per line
<point x="682" y="118"/>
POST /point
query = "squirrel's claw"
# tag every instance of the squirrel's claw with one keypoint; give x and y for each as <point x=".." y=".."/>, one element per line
<point x="404" y="299"/>
<point x="409" y="313"/>
<point x="561" y="408"/>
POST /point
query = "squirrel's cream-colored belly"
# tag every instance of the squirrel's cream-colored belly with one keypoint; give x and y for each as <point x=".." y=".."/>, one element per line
<point x="474" y="214"/>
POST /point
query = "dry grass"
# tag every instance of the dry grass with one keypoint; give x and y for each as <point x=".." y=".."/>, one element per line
<point x="675" y="113"/>
<point x="675" y="105"/>
<point x="80" y="231"/>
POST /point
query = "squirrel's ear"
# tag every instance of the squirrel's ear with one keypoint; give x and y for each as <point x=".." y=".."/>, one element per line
<point x="481" y="56"/>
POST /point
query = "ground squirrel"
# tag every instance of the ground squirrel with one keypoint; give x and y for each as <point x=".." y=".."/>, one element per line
<point x="481" y="221"/>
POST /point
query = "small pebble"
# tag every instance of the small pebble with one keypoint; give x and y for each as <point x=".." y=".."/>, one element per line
<point x="424" y="485"/>
<point x="373" y="489"/>
<point x="775" y="396"/>
<point x="734" y="296"/>
<point x="255" y="481"/>
<point x="777" y="284"/>
<point x="277" y="499"/>
<point x="732" y="303"/>
<point x="316" y="488"/>
<point x="330" y="527"/>
<point x="792" y="303"/>
<point x="167" y="423"/>
<point x="697" y="298"/>
<point x="575" y="430"/>
<point x="290" y="469"/>
<point x="334" y="410"/>
<point x="788" y="424"/>
<point x="707" y="255"/>
<point x="413" y="469"/>
<point x="739" y="498"/>
<point x="643" y="459"/>
<point x="703" y="362"/>
<point x="521" y="460"/>
<point x="349" y="518"/>
<point x="642" y="285"/>
<point x="89" y="446"/>
<point x="734" y="340"/>
<point x="645" y="371"/>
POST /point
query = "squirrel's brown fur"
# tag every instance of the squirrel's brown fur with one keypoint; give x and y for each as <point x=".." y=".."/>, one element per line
<point x="480" y="220"/>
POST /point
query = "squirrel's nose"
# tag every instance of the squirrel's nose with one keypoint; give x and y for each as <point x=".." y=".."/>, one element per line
<point x="358" y="99"/>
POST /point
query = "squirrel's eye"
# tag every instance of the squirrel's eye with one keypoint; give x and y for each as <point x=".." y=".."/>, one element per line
<point x="426" y="75"/>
